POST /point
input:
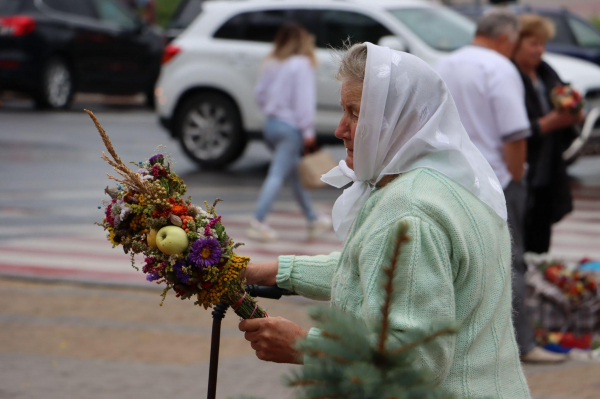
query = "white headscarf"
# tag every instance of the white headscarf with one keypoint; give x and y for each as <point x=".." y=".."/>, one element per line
<point x="407" y="120"/>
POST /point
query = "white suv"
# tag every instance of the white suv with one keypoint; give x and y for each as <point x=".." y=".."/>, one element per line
<point x="205" y="93"/>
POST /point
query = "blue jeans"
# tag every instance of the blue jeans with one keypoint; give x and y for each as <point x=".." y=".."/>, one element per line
<point x="286" y="142"/>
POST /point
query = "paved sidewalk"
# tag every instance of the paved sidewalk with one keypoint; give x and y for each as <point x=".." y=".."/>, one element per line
<point x="62" y="341"/>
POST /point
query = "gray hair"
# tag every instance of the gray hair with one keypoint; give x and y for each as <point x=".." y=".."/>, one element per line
<point x="499" y="21"/>
<point x="352" y="63"/>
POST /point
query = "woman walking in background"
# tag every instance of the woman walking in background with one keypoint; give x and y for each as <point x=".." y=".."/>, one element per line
<point x="549" y="195"/>
<point x="286" y="95"/>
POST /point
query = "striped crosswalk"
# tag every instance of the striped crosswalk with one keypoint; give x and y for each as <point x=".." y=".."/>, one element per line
<point x="81" y="253"/>
<point x="578" y="234"/>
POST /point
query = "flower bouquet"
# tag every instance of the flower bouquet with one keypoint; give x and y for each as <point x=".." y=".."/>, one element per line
<point x="186" y="247"/>
<point x="566" y="99"/>
<point x="577" y="285"/>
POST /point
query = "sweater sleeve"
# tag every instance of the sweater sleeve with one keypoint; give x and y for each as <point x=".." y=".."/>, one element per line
<point x="423" y="289"/>
<point x="309" y="276"/>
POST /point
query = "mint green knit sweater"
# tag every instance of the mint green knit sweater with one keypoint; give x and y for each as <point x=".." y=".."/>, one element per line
<point x="455" y="267"/>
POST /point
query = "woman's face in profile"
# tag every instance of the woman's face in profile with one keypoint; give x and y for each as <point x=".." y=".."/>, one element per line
<point x="350" y="102"/>
<point x="530" y="51"/>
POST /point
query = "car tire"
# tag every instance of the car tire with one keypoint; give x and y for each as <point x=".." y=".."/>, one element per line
<point x="209" y="128"/>
<point x="57" y="85"/>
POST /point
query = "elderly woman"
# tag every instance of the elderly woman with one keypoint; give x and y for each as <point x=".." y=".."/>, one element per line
<point x="410" y="161"/>
<point x="549" y="195"/>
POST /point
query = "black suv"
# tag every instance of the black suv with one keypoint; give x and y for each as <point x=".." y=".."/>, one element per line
<point x="51" y="49"/>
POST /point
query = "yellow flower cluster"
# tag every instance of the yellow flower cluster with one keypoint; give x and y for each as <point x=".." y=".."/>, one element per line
<point x="142" y="201"/>
<point x="236" y="265"/>
<point x="224" y="282"/>
<point x="111" y="236"/>
<point x="138" y="223"/>
<point x="215" y="293"/>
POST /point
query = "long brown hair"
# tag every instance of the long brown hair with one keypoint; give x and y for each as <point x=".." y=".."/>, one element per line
<point x="293" y="39"/>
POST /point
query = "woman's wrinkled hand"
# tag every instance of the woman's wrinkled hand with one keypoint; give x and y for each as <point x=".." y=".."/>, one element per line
<point x="273" y="339"/>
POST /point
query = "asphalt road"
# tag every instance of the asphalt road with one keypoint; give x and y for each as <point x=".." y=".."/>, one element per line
<point x="100" y="341"/>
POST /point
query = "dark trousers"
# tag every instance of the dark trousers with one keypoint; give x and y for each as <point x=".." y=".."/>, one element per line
<point x="516" y="201"/>
<point x="538" y="225"/>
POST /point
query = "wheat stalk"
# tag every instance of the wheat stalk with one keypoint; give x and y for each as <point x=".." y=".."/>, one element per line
<point x="130" y="178"/>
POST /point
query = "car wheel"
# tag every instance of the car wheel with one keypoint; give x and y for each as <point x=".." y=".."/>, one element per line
<point x="57" y="86"/>
<point x="209" y="129"/>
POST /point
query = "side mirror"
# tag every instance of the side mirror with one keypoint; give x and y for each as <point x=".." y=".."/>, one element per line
<point x="393" y="42"/>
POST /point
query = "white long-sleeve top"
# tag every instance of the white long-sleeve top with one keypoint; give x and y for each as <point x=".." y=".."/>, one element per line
<point x="286" y="91"/>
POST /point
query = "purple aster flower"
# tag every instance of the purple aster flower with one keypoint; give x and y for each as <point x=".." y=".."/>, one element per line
<point x="181" y="276"/>
<point x="152" y="276"/>
<point x="155" y="159"/>
<point x="205" y="252"/>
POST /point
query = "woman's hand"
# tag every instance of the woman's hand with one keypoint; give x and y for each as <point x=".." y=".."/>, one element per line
<point x="310" y="144"/>
<point x="581" y="117"/>
<point x="260" y="273"/>
<point x="273" y="338"/>
<point x="556" y="120"/>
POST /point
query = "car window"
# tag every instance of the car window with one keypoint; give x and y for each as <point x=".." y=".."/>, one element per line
<point x="186" y="13"/>
<point x="440" y="28"/>
<point x="262" y="26"/>
<point x="114" y="14"/>
<point x="563" y="33"/>
<point x="585" y="35"/>
<point x="81" y="8"/>
<point x="336" y="26"/>
<point x="259" y="26"/>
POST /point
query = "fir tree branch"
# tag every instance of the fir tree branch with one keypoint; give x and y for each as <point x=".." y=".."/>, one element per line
<point x="323" y="355"/>
<point x="428" y="338"/>
<point x="389" y="287"/>
<point x="329" y="335"/>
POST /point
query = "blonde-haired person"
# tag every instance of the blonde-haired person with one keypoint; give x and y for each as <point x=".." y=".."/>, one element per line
<point x="410" y="161"/>
<point x="549" y="194"/>
<point x="286" y="94"/>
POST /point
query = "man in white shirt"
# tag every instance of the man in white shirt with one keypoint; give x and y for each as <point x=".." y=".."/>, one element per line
<point x="490" y="97"/>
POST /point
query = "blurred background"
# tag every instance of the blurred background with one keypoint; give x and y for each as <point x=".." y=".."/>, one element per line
<point x="76" y="320"/>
